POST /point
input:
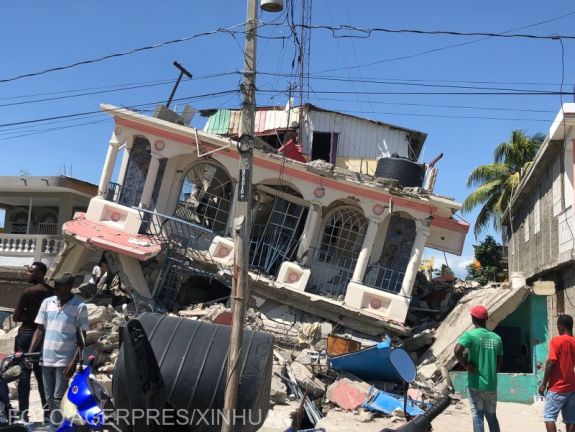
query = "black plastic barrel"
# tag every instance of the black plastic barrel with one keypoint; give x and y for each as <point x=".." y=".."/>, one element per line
<point x="407" y="172"/>
<point x="192" y="356"/>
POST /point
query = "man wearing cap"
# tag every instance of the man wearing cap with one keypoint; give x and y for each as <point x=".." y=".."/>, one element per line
<point x="559" y="377"/>
<point x="480" y="352"/>
<point x="57" y="320"/>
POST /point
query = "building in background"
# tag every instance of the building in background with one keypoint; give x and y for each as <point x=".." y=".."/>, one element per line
<point x="539" y="224"/>
<point x="35" y="208"/>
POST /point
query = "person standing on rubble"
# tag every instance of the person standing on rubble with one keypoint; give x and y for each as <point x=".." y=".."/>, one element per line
<point x="25" y="312"/>
<point x="58" y="319"/>
<point x="480" y="352"/>
<point x="559" y="377"/>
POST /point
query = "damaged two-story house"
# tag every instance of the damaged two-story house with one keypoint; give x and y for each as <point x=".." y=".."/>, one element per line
<point x="328" y="238"/>
<point x="539" y="223"/>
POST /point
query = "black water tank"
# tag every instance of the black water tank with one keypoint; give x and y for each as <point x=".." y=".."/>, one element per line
<point x="407" y="172"/>
<point x="192" y="356"/>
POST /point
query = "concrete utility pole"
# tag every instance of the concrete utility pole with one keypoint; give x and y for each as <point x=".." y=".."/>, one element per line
<point x="243" y="219"/>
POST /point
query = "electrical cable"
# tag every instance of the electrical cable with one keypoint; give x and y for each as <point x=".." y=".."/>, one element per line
<point x="95" y="112"/>
<point x="227" y="30"/>
<point x="110" y="89"/>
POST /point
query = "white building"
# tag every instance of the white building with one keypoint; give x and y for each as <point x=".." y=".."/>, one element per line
<point x="331" y="242"/>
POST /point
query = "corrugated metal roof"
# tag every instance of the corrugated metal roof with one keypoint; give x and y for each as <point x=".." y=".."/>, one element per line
<point x="219" y="122"/>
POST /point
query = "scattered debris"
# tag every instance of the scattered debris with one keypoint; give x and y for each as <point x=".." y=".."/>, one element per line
<point x="348" y="394"/>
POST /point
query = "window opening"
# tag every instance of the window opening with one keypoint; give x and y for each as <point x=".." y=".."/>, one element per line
<point x="48" y="223"/>
<point x="275" y="235"/>
<point x="206" y="197"/>
<point x="321" y="146"/>
<point x="333" y="262"/>
<point x="19" y="223"/>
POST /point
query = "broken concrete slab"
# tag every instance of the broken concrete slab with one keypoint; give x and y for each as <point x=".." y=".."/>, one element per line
<point x="347" y="393"/>
<point x="307" y="380"/>
<point x="418" y="341"/>
<point x="500" y="302"/>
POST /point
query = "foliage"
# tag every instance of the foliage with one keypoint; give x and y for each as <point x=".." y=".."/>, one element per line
<point x="496" y="182"/>
<point x="445" y="270"/>
<point x="488" y="266"/>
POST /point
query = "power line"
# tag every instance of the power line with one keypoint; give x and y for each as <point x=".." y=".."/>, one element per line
<point x="367" y="32"/>
<point x="452" y="116"/>
<point x="461" y="93"/>
<point x="430" y="51"/>
<point x="471" y="107"/>
<point x="65" y="116"/>
<point x="419" y="84"/>
<point x="123" y="87"/>
<point x="227" y="30"/>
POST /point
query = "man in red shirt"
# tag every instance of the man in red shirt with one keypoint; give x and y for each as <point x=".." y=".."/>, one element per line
<point x="559" y="378"/>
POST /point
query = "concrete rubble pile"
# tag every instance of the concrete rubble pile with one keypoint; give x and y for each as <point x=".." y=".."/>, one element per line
<point x="305" y="390"/>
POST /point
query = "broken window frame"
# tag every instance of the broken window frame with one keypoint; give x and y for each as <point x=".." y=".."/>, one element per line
<point x="332" y="266"/>
<point x="275" y="242"/>
<point x="210" y="207"/>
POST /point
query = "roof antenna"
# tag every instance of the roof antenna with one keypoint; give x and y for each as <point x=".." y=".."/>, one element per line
<point x="183" y="72"/>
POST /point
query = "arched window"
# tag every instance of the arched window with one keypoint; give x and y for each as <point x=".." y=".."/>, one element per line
<point x="333" y="262"/>
<point x="19" y="222"/>
<point x="206" y="196"/>
<point x="343" y="232"/>
<point x="48" y="223"/>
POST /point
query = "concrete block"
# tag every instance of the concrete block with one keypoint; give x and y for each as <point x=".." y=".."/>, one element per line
<point x="306" y="380"/>
<point x="291" y="275"/>
<point x="347" y="393"/>
<point x="114" y="215"/>
<point x="382" y="303"/>
<point x="222" y="251"/>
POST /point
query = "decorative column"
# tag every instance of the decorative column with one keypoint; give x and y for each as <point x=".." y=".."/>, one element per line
<point x="312" y="223"/>
<point x="421" y="234"/>
<point x="150" y="181"/>
<point x="365" y="253"/>
<point x="125" y="160"/>
<point x="108" y="166"/>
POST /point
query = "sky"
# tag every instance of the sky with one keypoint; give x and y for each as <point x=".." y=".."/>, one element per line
<point x="378" y="74"/>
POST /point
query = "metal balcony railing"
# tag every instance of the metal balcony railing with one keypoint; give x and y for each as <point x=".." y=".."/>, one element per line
<point x="123" y="194"/>
<point x="330" y="272"/>
<point x="175" y="231"/>
<point x="270" y="245"/>
<point x="383" y="278"/>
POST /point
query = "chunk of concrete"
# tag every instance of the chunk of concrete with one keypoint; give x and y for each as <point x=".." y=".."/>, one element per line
<point x="348" y="394"/>
<point x="278" y="393"/>
<point x="306" y="380"/>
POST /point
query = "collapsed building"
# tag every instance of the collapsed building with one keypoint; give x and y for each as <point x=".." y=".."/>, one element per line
<point x="337" y="233"/>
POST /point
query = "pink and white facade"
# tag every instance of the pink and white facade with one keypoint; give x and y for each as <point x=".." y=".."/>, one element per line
<point x="323" y="241"/>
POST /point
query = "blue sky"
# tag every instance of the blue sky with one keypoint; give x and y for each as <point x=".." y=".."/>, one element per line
<point x="36" y="35"/>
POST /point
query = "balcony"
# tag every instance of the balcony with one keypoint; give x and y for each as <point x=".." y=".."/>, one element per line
<point x="384" y="279"/>
<point x="15" y="247"/>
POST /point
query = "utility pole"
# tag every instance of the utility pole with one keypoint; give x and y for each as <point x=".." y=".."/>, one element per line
<point x="243" y="219"/>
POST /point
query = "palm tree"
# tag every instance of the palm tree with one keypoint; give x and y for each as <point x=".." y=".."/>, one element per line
<point x="496" y="182"/>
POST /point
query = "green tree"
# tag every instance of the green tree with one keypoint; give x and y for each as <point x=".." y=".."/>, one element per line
<point x="496" y="182"/>
<point x="445" y="270"/>
<point x="488" y="265"/>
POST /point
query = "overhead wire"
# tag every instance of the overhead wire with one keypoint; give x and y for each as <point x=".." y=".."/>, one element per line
<point x="226" y="30"/>
<point x="112" y="89"/>
<point x="22" y="122"/>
